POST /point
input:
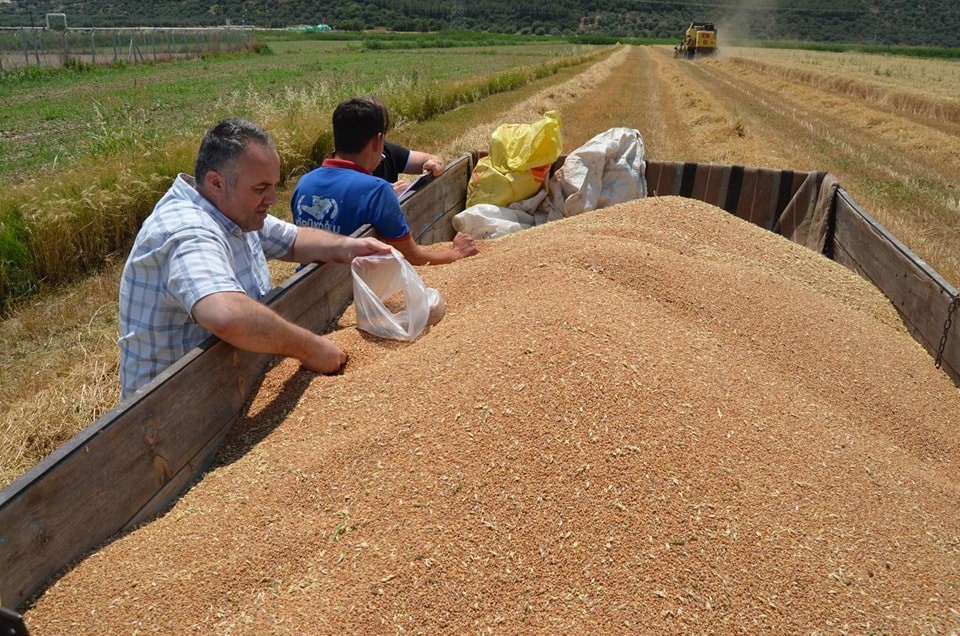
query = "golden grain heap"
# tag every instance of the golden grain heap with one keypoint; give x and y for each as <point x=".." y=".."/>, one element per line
<point x="654" y="418"/>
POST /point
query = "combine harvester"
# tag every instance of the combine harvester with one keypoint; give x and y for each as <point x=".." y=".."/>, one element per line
<point x="700" y="40"/>
<point x="133" y="462"/>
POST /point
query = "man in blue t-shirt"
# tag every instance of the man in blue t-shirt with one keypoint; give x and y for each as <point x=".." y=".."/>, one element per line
<point x="342" y="194"/>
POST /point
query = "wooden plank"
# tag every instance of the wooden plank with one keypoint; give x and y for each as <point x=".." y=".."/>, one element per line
<point x="920" y="295"/>
<point x="760" y="195"/>
<point x="709" y="183"/>
<point x="70" y="502"/>
<point x="315" y="296"/>
<point x="663" y="178"/>
<point x="429" y="212"/>
<point x="781" y="190"/>
<point x="698" y="176"/>
<point x="654" y="175"/>
<point x="747" y="209"/>
<point x="178" y="483"/>
<point x="155" y="445"/>
<point x="757" y="195"/>
<point x="764" y="197"/>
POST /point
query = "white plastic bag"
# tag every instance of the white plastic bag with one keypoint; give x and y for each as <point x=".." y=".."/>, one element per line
<point x="378" y="277"/>
<point x="610" y="168"/>
<point x="485" y="221"/>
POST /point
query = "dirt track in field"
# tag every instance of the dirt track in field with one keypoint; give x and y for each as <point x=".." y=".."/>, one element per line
<point x="888" y="144"/>
<point x="887" y="128"/>
<point x="540" y="463"/>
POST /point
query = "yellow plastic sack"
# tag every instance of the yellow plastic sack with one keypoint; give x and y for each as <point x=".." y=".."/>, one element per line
<point x="519" y="147"/>
<point x="489" y="185"/>
<point x="519" y="160"/>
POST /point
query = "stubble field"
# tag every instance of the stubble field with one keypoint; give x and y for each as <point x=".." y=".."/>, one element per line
<point x="886" y="126"/>
<point x="604" y="469"/>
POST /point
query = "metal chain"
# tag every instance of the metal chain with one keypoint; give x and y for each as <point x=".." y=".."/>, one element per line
<point x="946" y="329"/>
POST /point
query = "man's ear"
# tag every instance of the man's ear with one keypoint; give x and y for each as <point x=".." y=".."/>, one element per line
<point x="214" y="183"/>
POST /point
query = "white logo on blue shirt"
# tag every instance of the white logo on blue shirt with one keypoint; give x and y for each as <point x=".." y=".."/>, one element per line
<point x="320" y="214"/>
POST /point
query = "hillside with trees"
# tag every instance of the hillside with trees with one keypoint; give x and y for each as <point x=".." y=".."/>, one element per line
<point x="880" y="22"/>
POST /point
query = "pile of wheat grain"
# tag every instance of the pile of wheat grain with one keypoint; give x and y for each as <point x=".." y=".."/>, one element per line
<point x="654" y="418"/>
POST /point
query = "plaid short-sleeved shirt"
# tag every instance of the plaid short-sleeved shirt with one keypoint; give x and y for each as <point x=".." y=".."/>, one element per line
<point x="187" y="249"/>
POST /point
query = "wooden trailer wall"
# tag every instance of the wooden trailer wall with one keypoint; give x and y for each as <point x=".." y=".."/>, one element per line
<point x="811" y="208"/>
<point x="925" y="300"/>
<point x="135" y="460"/>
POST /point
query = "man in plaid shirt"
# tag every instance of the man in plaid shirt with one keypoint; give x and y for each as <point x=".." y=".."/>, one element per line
<point x="199" y="263"/>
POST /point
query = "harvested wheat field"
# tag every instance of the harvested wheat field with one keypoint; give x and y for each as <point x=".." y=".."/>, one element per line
<point x="655" y="418"/>
<point x="886" y="126"/>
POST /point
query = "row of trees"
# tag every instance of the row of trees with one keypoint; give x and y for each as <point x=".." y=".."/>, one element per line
<point x="884" y="22"/>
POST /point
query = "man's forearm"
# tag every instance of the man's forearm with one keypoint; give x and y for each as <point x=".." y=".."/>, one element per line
<point x="436" y="256"/>
<point x="250" y="325"/>
<point x="313" y="245"/>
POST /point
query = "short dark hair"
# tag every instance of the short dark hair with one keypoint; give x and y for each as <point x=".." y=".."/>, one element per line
<point x="224" y="143"/>
<point x="358" y="120"/>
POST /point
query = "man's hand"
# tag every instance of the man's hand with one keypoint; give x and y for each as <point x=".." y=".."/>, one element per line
<point x="399" y="187"/>
<point x="365" y="247"/>
<point x="323" y="356"/>
<point x="434" y="165"/>
<point x="464" y="244"/>
<point x="419" y="161"/>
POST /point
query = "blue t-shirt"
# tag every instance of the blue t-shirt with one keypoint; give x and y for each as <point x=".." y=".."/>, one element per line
<point x="340" y="196"/>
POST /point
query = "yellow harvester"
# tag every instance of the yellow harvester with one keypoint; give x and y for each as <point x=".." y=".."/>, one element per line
<point x="699" y="40"/>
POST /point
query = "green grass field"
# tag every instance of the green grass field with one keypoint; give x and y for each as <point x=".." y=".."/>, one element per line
<point x="87" y="150"/>
<point x="53" y="120"/>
